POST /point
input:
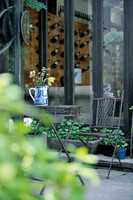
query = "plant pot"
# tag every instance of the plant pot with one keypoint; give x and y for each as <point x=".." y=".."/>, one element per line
<point x="121" y="153"/>
<point x="108" y="150"/>
<point x="92" y="145"/>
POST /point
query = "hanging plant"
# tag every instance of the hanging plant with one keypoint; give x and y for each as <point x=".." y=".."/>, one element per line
<point x="34" y="4"/>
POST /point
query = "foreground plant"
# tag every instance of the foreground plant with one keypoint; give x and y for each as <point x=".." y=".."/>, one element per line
<point x="22" y="157"/>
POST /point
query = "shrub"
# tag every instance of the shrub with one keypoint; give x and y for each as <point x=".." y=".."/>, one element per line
<point x="22" y="157"/>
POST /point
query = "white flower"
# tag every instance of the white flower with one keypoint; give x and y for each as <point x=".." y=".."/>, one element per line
<point x="32" y="73"/>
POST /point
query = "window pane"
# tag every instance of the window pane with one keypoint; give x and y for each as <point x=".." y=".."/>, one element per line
<point x="83" y="35"/>
<point x="113" y="46"/>
<point x="56" y="41"/>
<point x="6" y="38"/>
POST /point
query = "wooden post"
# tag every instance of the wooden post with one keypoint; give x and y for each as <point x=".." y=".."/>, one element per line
<point x="69" y="52"/>
<point x="128" y="65"/>
<point x="97" y="51"/>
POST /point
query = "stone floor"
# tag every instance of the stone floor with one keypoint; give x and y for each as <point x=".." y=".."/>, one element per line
<point x="118" y="187"/>
<point x="120" y="184"/>
<point x="105" y="161"/>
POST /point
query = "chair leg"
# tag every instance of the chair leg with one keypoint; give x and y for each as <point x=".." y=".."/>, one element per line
<point x="85" y="143"/>
<point x="110" y="167"/>
<point x="119" y="160"/>
<point x="112" y="162"/>
<point x="42" y="190"/>
<point x="81" y="180"/>
<point x="131" y="143"/>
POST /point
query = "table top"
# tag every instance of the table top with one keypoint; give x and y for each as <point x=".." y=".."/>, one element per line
<point x="62" y="110"/>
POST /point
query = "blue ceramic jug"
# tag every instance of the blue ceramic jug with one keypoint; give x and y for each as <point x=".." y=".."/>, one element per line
<point x="41" y="95"/>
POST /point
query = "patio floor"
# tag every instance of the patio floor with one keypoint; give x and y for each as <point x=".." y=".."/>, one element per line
<point x="105" y="161"/>
<point x="118" y="187"/>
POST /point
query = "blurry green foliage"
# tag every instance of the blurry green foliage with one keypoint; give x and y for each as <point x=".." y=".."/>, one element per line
<point x="22" y="156"/>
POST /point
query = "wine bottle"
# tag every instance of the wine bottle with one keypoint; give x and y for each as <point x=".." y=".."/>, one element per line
<point x="77" y="55"/>
<point x="54" y="39"/>
<point x="62" y="54"/>
<point x="84" y="57"/>
<point x="53" y="53"/>
<point x="76" y="32"/>
<point x="37" y="24"/>
<point x="84" y="44"/>
<point x="54" y="26"/>
<point x="84" y="33"/>
<point x="37" y="66"/>
<point x="62" y="67"/>
<point x="37" y="38"/>
<point x="37" y="51"/>
<point x="76" y="43"/>
<point x="62" y="30"/>
<point x="62" y="41"/>
<point x="55" y="64"/>
<point x="85" y="69"/>
<point x="77" y="65"/>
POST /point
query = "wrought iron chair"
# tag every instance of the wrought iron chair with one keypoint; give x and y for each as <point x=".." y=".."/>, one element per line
<point x="106" y="114"/>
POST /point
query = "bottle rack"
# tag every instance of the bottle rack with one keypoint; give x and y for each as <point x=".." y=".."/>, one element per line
<point x="56" y="28"/>
<point x="31" y="57"/>
<point x="80" y="50"/>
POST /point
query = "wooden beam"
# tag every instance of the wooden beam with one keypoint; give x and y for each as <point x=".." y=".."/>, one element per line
<point x="128" y="64"/>
<point x="18" y="45"/>
<point x="69" y="52"/>
<point x="97" y="51"/>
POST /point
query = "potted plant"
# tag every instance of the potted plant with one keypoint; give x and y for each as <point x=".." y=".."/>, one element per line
<point x="105" y="146"/>
<point x="63" y="127"/>
<point x="41" y="82"/>
<point x="121" y="145"/>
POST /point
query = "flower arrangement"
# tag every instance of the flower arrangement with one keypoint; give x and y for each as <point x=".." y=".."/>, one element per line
<point x="42" y="78"/>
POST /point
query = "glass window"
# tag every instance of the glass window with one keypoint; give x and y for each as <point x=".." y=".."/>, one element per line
<point x="83" y="43"/>
<point x="7" y="36"/>
<point x="56" y="41"/>
<point x="113" y="47"/>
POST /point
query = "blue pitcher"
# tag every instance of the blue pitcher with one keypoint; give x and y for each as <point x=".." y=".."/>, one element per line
<point x="41" y="95"/>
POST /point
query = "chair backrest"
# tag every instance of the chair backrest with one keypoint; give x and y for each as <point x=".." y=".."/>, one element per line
<point x="107" y="111"/>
